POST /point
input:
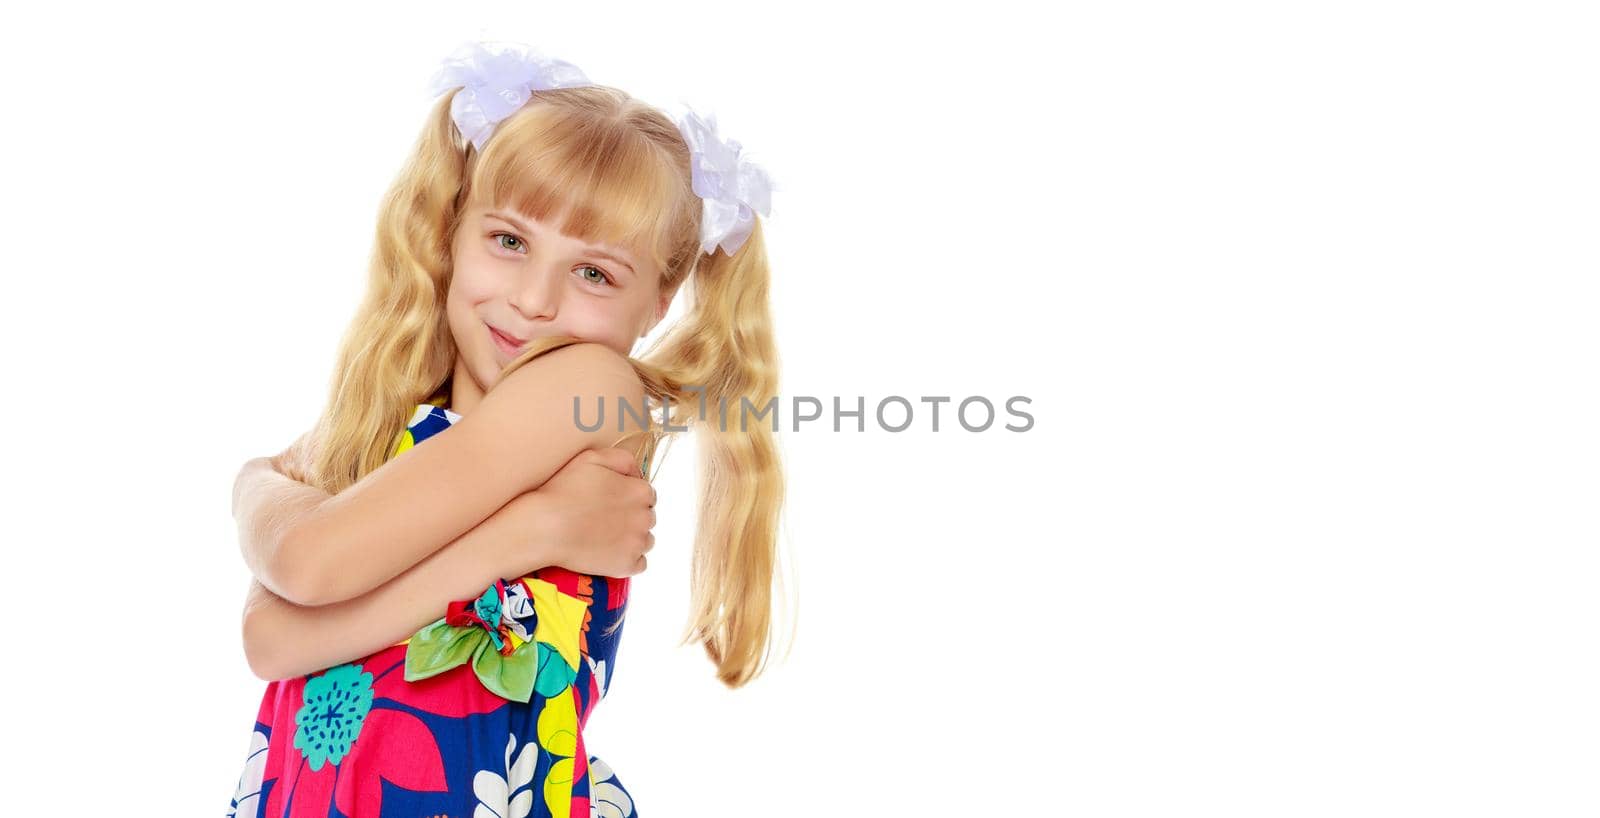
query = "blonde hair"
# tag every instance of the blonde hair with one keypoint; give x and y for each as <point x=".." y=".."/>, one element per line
<point x="607" y="168"/>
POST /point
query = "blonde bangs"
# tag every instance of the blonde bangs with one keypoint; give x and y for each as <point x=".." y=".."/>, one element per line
<point x="595" y="177"/>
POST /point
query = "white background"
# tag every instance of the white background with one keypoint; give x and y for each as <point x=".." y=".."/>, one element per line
<point x="1303" y="296"/>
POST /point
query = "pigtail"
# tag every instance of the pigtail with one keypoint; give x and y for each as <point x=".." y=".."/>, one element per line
<point x="398" y="349"/>
<point x="725" y="344"/>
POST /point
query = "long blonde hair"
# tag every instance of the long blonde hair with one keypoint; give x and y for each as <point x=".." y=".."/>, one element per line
<point x="603" y="167"/>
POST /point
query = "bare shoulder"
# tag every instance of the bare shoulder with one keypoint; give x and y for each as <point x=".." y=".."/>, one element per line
<point x="560" y="403"/>
<point x="584" y="370"/>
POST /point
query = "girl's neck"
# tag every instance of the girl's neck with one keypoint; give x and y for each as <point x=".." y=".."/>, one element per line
<point x="460" y="390"/>
<point x="441" y="397"/>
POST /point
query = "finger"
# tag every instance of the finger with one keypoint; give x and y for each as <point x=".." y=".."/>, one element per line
<point x="617" y="459"/>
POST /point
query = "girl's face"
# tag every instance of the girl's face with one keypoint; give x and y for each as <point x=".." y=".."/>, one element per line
<point x="516" y="279"/>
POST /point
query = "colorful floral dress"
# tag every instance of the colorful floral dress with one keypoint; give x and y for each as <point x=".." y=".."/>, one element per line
<point x="478" y="715"/>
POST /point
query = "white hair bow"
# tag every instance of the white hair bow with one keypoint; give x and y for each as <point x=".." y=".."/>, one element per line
<point x="496" y="82"/>
<point x="733" y="188"/>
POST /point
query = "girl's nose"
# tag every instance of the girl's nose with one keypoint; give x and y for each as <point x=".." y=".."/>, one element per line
<point x="539" y="294"/>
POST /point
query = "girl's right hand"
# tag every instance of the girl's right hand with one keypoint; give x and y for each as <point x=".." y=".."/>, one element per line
<point x="593" y="516"/>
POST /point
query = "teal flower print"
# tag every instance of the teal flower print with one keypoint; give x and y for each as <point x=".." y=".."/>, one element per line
<point x="336" y="705"/>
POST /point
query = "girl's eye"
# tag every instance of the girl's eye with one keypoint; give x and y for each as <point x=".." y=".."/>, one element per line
<point x="506" y="241"/>
<point x="603" y="279"/>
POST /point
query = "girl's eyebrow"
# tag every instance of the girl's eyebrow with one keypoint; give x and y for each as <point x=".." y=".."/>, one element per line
<point x="597" y="251"/>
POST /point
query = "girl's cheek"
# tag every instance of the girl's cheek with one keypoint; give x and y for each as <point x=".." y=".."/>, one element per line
<point x="475" y="291"/>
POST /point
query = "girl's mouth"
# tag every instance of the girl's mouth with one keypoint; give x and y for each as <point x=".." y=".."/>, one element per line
<point x="506" y="344"/>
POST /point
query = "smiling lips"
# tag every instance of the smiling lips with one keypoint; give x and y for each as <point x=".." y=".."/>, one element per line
<point x="507" y="344"/>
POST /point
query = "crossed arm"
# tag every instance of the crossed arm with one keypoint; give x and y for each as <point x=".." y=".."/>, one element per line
<point x="283" y="638"/>
<point x="442" y="514"/>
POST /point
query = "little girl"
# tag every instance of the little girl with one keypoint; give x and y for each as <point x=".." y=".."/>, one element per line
<point x="543" y="225"/>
